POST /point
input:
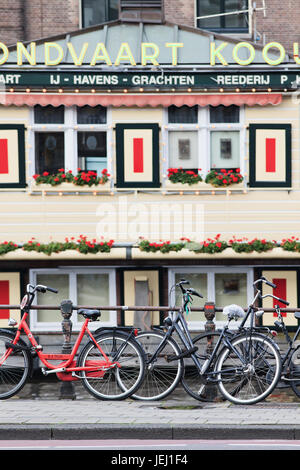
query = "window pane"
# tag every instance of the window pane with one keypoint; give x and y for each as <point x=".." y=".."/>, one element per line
<point x="236" y="21"/>
<point x="183" y="149"/>
<point x="92" y="151"/>
<point x="183" y="114"/>
<point x="93" y="291"/>
<point x="209" y="7"/>
<point x="49" y="151"/>
<point x="96" y="12"/>
<point x="91" y="115"/>
<point x="59" y="282"/>
<point x="49" y="114"/>
<point x="230" y="289"/>
<point x="225" y="149"/>
<point x="220" y="114"/>
<point x="199" y="282"/>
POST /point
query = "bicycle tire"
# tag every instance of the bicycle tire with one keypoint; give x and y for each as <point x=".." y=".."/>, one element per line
<point x="253" y="379"/>
<point x="119" y="382"/>
<point x="294" y="375"/>
<point x="198" y="387"/>
<point x="15" y="369"/>
<point x="162" y="377"/>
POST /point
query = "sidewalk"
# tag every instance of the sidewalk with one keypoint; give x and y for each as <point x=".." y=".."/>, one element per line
<point x="177" y="417"/>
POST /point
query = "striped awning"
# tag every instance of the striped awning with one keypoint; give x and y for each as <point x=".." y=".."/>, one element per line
<point x="141" y="100"/>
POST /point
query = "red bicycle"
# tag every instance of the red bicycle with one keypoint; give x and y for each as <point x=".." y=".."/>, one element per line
<point x="111" y="365"/>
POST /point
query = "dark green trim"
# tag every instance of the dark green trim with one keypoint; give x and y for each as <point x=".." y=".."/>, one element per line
<point x="21" y="145"/>
<point x="121" y="183"/>
<point x="291" y="328"/>
<point x="253" y="183"/>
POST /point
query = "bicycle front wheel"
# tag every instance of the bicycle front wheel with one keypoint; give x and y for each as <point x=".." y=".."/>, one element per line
<point x="15" y="367"/>
<point x="117" y="382"/>
<point x="249" y="370"/>
<point x="161" y="376"/>
<point x="197" y="386"/>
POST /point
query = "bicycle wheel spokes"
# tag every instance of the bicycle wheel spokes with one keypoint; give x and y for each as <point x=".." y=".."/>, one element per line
<point x="13" y="370"/>
<point x="202" y="388"/>
<point x="294" y="374"/>
<point x="122" y="377"/>
<point x="250" y="372"/>
<point x="161" y="376"/>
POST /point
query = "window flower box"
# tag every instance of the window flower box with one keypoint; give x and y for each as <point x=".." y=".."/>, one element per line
<point x="65" y="181"/>
<point x="200" y="186"/>
<point x="224" y="178"/>
<point x="185" y="180"/>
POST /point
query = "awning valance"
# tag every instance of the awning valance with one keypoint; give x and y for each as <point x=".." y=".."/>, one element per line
<point x="141" y="100"/>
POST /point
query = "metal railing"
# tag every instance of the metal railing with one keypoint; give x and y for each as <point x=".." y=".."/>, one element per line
<point x="138" y="308"/>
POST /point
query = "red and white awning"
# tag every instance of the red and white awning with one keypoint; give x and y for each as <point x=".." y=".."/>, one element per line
<point x="140" y="100"/>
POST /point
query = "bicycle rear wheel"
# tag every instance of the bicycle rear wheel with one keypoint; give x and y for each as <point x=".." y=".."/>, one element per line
<point x="115" y="383"/>
<point x="249" y="371"/>
<point x="294" y="375"/>
<point x="199" y="387"/>
<point x="161" y="377"/>
<point x="15" y="369"/>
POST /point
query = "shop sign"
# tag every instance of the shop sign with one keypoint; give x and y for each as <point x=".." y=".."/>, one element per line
<point x="177" y="80"/>
<point x="53" y="54"/>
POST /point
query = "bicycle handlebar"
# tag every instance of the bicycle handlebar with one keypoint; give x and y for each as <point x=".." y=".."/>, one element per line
<point x="194" y="292"/>
<point x="281" y="300"/>
<point x="268" y="282"/>
<point x="179" y="284"/>
<point x="41" y="288"/>
<point x="263" y="279"/>
<point x="190" y="290"/>
<point x="285" y="302"/>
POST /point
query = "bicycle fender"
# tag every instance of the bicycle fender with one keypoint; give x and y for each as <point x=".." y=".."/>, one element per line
<point x="10" y="331"/>
<point x="114" y="329"/>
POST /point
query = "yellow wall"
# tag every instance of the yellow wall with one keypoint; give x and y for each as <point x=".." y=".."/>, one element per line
<point x="124" y="216"/>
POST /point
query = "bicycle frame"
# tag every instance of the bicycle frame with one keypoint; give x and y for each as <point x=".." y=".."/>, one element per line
<point x="290" y="341"/>
<point x="179" y="324"/>
<point x="67" y="366"/>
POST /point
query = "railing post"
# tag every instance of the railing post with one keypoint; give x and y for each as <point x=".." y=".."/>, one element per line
<point x="209" y="312"/>
<point x="66" y="307"/>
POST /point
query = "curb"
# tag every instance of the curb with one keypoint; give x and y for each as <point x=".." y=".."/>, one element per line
<point x="149" y="432"/>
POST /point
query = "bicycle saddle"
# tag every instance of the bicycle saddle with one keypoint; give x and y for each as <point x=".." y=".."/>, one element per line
<point x="233" y="311"/>
<point x="91" y="314"/>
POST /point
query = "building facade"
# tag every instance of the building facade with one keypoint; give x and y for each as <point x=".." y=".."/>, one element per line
<point x="144" y="149"/>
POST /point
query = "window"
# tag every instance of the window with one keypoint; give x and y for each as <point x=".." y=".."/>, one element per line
<point x="224" y="286"/>
<point x="224" y="114"/>
<point x="49" y="115"/>
<point x="222" y="21"/>
<point x="97" y="12"/>
<point x="92" y="151"/>
<point x="204" y="138"/>
<point x="69" y="138"/>
<point x="183" y="114"/>
<point x="85" y="287"/>
<point x="183" y="149"/>
<point x="49" y="148"/>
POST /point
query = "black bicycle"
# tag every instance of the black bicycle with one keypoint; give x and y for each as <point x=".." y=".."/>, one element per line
<point x="291" y="357"/>
<point x="244" y="365"/>
<point x="206" y="343"/>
